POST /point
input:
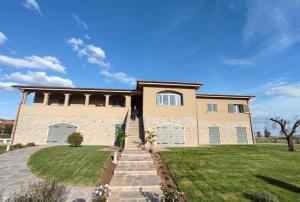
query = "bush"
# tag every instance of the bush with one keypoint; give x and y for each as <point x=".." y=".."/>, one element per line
<point x="30" y="144"/>
<point x="101" y="194"/>
<point x="18" y="146"/>
<point x="44" y="191"/>
<point x="75" y="139"/>
<point x="171" y="193"/>
<point x="264" y="197"/>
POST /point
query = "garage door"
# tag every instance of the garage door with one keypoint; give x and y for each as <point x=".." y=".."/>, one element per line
<point x="170" y="135"/>
<point x="58" y="133"/>
<point x="241" y="133"/>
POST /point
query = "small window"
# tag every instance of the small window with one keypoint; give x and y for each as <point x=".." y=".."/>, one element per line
<point x="168" y="99"/>
<point x="212" y="107"/>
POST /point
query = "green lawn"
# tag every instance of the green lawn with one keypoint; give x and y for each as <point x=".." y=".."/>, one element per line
<point x="2" y="149"/>
<point x="70" y="165"/>
<point x="235" y="172"/>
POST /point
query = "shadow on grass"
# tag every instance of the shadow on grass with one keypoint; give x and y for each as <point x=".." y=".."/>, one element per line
<point x="279" y="183"/>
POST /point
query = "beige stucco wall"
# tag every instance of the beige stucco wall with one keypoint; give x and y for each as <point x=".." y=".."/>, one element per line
<point x="96" y="124"/>
<point x="227" y="122"/>
<point x="150" y="109"/>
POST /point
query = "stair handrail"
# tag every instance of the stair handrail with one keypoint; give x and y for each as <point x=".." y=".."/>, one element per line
<point x="127" y="125"/>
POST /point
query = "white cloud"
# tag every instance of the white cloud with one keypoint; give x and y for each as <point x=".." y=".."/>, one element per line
<point x="119" y="76"/>
<point x="238" y="62"/>
<point x="41" y="79"/>
<point x="32" y="5"/>
<point x="34" y="62"/>
<point x="272" y="26"/>
<point x="277" y="98"/>
<point x="80" y="22"/>
<point x="288" y="90"/>
<point x="94" y="54"/>
<point x="7" y="85"/>
<point x="3" y="38"/>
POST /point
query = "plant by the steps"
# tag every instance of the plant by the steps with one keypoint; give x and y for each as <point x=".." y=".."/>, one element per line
<point x="151" y="139"/>
<point x="121" y="138"/>
<point x="171" y="193"/>
<point x="101" y="193"/>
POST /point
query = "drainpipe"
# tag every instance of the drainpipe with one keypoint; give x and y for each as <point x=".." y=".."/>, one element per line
<point x="197" y="122"/>
<point x="16" y="121"/>
<point x="250" y="118"/>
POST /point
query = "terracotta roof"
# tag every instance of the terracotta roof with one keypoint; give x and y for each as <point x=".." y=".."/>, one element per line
<point x="225" y="96"/>
<point x="71" y="89"/>
<point x="141" y="83"/>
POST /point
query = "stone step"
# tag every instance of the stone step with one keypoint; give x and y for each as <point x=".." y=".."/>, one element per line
<point x="135" y="163"/>
<point x="138" y="151"/>
<point x="137" y="196"/>
<point x="134" y="182"/>
<point x="136" y="158"/>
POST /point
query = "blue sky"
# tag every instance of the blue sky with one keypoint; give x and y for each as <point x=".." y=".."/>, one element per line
<point x="234" y="47"/>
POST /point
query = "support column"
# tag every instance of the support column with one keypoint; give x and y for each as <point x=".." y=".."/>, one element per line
<point x="127" y="101"/>
<point x="46" y="98"/>
<point x="107" y="100"/>
<point x="24" y="98"/>
<point x="67" y="98"/>
<point x="87" y="100"/>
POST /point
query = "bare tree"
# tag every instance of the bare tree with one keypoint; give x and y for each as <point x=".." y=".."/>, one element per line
<point x="287" y="130"/>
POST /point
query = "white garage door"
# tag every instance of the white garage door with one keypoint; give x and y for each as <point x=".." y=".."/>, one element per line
<point x="58" y="133"/>
<point x="170" y="135"/>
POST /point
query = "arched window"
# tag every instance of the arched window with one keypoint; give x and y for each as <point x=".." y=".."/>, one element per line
<point x="169" y="99"/>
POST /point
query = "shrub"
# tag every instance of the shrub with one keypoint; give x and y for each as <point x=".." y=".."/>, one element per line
<point x="75" y="139"/>
<point x="101" y="194"/>
<point x="171" y="193"/>
<point x="18" y="146"/>
<point x="264" y="197"/>
<point x="30" y="144"/>
<point x="44" y="191"/>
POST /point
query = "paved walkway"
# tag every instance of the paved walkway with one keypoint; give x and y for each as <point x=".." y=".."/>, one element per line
<point x="14" y="173"/>
<point x="135" y="178"/>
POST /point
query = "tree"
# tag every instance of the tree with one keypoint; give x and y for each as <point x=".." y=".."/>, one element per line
<point x="287" y="130"/>
<point x="258" y="134"/>
<point x="267" y="133"/>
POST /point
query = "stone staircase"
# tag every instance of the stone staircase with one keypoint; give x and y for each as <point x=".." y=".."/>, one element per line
<point x="135" y="178"/>
<point x="133" y="134"/>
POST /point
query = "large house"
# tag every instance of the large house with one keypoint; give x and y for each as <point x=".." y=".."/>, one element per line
<point x="173" y="110"/>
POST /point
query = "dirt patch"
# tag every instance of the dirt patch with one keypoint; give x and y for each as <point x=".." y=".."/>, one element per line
<point x="164" y="173"/>
<point x="108" y="171"/>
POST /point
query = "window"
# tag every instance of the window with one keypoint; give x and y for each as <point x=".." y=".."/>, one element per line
<point x="169" y="99"/>
<point x="238" y="108"/>
<point x="212" y="108"/>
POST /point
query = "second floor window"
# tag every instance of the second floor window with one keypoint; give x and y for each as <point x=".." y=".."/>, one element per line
<point x="168" y="99"/>
<point x="238" y="108"/>
<point x="212" y="107"/>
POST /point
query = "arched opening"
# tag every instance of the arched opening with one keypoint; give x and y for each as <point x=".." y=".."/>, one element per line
<point x="38" y="98"/>
<point x="56" y="99"/>
<point x="117" y="101"/>
<point x="77" y="99"/>
<point x="169" y="98"/>
<point x="59" y="133"/>
<point x="97" y="100"/>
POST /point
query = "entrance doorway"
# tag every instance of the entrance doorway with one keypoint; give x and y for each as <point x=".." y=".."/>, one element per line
<point x="137" y="102"/>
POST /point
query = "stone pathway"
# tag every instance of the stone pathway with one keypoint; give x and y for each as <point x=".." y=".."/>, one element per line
<point x="135" y="178"/>
<point x="14" y="173"/>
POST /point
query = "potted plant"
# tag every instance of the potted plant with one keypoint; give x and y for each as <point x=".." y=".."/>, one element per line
<point x="151" y="139"/>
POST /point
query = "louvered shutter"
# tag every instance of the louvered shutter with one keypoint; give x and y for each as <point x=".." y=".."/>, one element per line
<point x="209" y="108"/>
<point x="214" y="135"/>
<point x="215" y="107"/>
<point x="241" y="133"/>
<point x="230" y="108"/>
<point x="246" y="108"/>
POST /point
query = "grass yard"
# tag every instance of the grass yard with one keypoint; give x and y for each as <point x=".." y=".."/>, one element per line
<point x="235" y="172"/>
<point x="70" y="165"/>
<point x="2" y="149"/>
